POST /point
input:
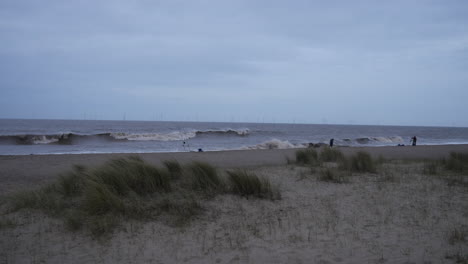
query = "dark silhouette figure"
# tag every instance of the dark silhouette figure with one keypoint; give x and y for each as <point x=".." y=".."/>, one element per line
<point x="331" y="142"/>
<point x="413" y="140"/>
<point x="186" y="146"/>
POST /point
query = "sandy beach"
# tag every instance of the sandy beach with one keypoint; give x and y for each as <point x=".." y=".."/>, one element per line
<point x="20" y="172"/>
<point x="396" y="215"/>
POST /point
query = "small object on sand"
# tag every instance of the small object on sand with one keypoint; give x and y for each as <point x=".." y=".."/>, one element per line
<point x="200" y="150"/>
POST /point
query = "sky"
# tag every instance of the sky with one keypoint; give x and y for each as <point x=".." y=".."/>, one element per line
<point x="402" y="62"/>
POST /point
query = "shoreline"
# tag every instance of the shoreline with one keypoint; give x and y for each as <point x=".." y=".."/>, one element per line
<point x="371" y="149"/>
<point x="24" y="171"/>
<point x="456" y="145"/>
<point x="261" y="146"/>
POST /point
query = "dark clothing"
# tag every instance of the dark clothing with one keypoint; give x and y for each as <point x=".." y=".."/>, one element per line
<point x="414" y="139"/>
<point x="331" y="142"/>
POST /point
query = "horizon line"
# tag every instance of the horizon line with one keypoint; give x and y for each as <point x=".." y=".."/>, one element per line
<point x="234" y="122"/>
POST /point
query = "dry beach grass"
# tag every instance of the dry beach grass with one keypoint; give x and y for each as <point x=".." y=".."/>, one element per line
<point x="329" y="208"/>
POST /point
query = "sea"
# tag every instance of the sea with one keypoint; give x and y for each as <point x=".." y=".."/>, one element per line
<point x="39" y="137"/>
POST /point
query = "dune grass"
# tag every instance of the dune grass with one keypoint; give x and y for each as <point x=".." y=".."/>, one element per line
<point x="307" y="156"/>
<point x="454" y="169"/>
<point x="99" y="199"/>
<point x="331" y="155"/>
<point x="311" y="157"/>
<point x="457" y="162"/>
<point x="71" y="184"/>
<point x="332" y="175"/>
<point x="47" y="199"/>
<point x="363" y="162"/>
<point x="431" y="167"/>
<point x="174" y="168"/>
<point x="249" y="184"/>
<point x="122" y="176"/>
<point x="205" y="178"/>
<point x="180" y="210"/>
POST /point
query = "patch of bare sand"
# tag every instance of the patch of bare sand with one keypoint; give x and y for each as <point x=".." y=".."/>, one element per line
<point x="395" y="216"/>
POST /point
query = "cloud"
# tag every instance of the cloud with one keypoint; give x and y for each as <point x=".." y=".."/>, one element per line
<point x="360" y="55"/>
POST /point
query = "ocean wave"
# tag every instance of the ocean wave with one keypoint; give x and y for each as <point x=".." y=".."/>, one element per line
<point x="29" y="139"/>
<point x="73" y="138"/>
<point x="178" y="135"/>
<point x="284" y="144"/>
<point x="228" y="131"/>
<point x="172" y="136"/>
<point x="377" y="140"/>
<point x="276" y="144"/>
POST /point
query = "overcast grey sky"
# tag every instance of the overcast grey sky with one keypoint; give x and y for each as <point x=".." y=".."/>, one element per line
<point x="342" y="62"/>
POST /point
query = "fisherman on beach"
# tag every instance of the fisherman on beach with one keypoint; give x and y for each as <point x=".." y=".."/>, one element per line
<point x="186" y="146"/>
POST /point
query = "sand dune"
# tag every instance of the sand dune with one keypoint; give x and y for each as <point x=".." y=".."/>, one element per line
<point x="398" y="215"/>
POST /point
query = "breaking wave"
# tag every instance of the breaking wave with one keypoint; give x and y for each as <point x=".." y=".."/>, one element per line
<point x="72" y="138"/>
<point x="67" y="138"/>
<point x="284" y="144"/>
<point x="236" y="132"/>
<point x="378" y="140"/>
<point x="172" y="136"/>
<point x="178" y="135"/>
<point x="276" y="144"/>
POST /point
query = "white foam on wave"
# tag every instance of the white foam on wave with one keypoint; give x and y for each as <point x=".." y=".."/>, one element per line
<point x="239" y="131"/>
<point x="242" y="131"/>
<point x="44" y="140"/>
<point x="172" y="136"/>
<point x="176" y="135"/>
<point x="378" y="140"/>
<point x="275" y="144"/>
<point x="388" y="139"/>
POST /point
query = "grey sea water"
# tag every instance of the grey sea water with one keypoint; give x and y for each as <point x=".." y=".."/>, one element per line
<point x="23" y="137"/>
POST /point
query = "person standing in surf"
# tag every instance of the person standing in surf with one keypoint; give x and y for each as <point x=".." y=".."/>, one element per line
<point x="413" y="140"/>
